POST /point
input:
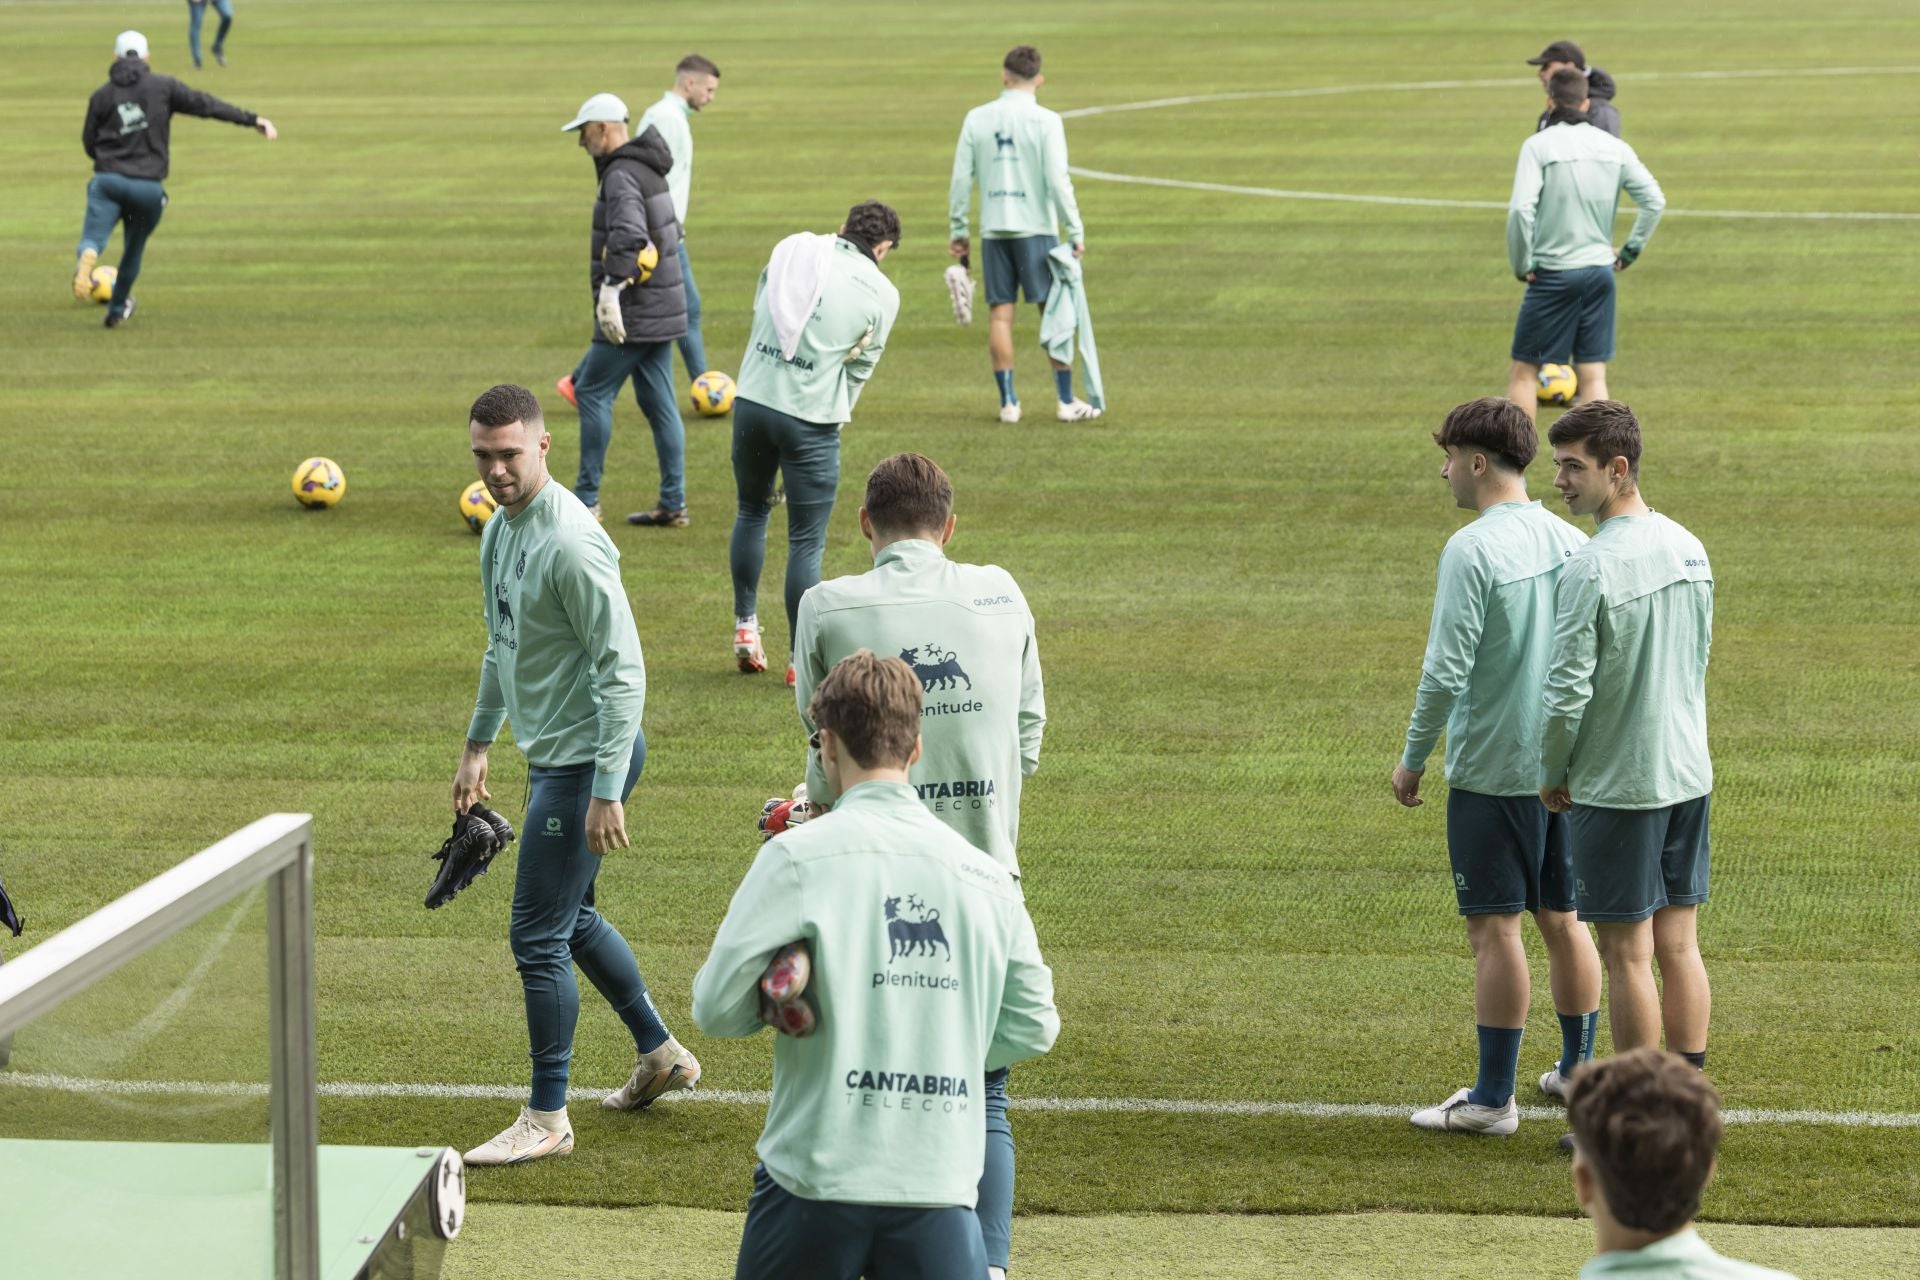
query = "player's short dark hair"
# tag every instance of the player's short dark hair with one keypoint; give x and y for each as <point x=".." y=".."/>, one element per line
<point x="1606" y="429"/>
<point x="506" y="404"/>
<point x="1567" y="86"/>
<point x="1022" y="62"/>
<point x="1496" y="427"/>
<point x="908" y="494"/>
<point x="694" y="64"/>
<point x="872" y="705"/>
<point x="871" y="222"/>
<point x="1648" y="1124"/>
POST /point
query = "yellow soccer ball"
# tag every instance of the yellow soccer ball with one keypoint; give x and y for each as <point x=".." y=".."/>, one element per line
<point x="712" y="394"/>
<point x="319" y="482"/>
<point x="477" y="506"/>
<point x="104" y="278"/>
<point x="1557" y="384"/>
<point x="649" y="258"/>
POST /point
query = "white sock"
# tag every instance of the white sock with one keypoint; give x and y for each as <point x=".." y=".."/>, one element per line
<point x="551" y="1121"/>
<point x="751" y="620"/>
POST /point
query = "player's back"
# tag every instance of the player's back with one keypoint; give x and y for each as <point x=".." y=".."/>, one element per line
<point x="1010" y="139"/>
<point x="1582" y="172"/>
<point x="857" y="304"/>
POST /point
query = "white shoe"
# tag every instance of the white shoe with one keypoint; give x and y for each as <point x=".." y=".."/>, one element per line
<point x="534" y="1136"/>
<point x="960" y="290"/>
<point x="748" y="651"/>
<point x="1457" y="1115"/>
<point x="667" y="1068"/>
<point x="1554" y="1085"/>
<point x="1077" y="411"/>
<point x="1010" y="412"/>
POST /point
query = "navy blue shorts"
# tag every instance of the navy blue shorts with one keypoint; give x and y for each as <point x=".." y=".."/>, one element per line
<point x="791" y="1238"/>
<point x="1020" y="262"/>
<point x="1509" y="854"/>
<point x="1566" y="314"/>
<point x="1629" y="863"/>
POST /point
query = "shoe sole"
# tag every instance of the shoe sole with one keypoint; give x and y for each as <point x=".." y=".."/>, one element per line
<point x="83" y="276"/>
<point x="675" y="1073"/>
<point x="751" y="663"/>
<point x="564" y="1149"/>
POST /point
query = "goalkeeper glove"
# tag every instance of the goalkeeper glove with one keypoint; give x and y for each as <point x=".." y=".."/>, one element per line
<point x="613" y="326"/>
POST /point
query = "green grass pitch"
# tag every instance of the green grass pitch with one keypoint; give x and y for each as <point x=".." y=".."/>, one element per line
<point x="1231" y="572"/>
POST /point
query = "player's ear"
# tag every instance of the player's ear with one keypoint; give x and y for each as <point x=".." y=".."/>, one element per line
<point x="946" y="535"/>
<point x="1582" y="1182"/>
<point x="866" y="525"/>
<point x="914" y="759"/>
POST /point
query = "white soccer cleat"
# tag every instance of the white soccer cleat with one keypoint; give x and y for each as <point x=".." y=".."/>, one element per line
<point x="1077" y="411"/>
<point x="1554" y="1085"/>
<point x="1010" y="412"/>
<point x="667" y="1068"/>
<point x="748" y="651"/>
<point x="83" y="273"/>
<point x="960" y="289"/>
<point x="534" y="1136"/>
<point x="1457" y="1115"/>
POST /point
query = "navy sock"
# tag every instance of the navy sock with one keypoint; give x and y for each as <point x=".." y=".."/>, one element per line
<point x="1699" y="1060"/>
<point x="1499" y="1064"/>
<point x="1576" y="1039"/>
<point x="1005" y="378"/>
<point x="1063" y="379"/>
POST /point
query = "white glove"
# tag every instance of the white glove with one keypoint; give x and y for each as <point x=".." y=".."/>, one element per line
<point x="607" y="311"/>
<point x="960" y="289"/>
<point x="860" y="347"/>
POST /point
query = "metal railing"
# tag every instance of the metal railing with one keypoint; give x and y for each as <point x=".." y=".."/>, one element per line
<point x="278" y="849"/>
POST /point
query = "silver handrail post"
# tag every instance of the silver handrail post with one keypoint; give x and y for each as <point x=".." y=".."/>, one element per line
<point x="296" y="1127"/>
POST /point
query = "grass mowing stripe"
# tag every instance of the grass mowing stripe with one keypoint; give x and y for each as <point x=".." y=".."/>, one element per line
<point x="760" y="1098"/>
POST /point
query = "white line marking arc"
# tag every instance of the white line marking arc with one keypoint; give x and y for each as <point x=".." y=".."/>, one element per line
<point x="1279" y="193"/>
<point x="760" y="1097"/>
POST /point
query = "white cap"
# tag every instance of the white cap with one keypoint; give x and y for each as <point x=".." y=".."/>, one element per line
<point x="601" y="106"/>
<point x="129" y="44"/>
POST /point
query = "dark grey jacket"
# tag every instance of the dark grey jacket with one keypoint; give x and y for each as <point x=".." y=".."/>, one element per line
<point x="633" y="210"/>
<point x="1601" y="113"/>
<point x="129" y="119"/>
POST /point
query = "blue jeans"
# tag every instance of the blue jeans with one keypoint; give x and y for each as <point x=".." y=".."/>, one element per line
<point x="792" y="1238"/>
<point x="196" y="13"/>
<point x="596" y="384"/>
<point x="556" y="926"/>
<point x="768" y="443"/>
<point x="693" y="348"/>
<point x="139" y="203"/>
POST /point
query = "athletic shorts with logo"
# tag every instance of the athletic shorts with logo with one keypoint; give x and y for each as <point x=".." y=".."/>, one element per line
<point x="1017" y="263"/>
<point x="1629" y="863"/>
<point x="1566" y="315"/>
<point x="793" y="1238"/>
<point x="1508" y="853"/>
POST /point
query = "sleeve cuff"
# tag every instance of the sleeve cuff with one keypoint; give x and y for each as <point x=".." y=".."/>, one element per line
<point x="607" y="786"/>
<point x="484" y="727"/>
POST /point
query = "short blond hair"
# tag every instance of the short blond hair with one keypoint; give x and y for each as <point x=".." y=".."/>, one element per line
<point x="872" y="704"/>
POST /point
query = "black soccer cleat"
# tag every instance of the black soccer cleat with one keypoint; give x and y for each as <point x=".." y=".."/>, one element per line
<point x="117" y="318"/>
<point x="478" y="834"/>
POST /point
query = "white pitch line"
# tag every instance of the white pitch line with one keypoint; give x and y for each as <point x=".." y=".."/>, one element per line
<point x="1277" y="193"/>
<point x="760" y="1097"/>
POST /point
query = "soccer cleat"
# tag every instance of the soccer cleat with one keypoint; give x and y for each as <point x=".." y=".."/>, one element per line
<point x="1010" y="412"/>
<point x="661" y="518"/>
<point x="791" y="678"/>
<point x="787" y="973"/>
<point x="960" y="290"/>
<point x="1076" y="411"/>
<point x="667" y="1068"/>
<point x="527" y="1138"/>
<point x="1554" y="1085"/>
<point x="565" y="387"/>
<point x="219" y="55"/>
<point x="1457" y="1115"/>
<point x="117" y="318"/>
<point x="748" y="651"/>
<point x="1567" y="1143"/>
<point x="83" y="274"/>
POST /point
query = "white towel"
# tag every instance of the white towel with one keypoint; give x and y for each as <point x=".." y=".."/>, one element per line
<point x="796" y="279"/>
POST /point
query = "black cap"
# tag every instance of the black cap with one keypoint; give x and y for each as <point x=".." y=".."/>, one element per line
<point x="1560" y="51"/>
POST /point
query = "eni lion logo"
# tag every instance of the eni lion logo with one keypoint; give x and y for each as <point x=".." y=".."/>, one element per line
<point x="913" y="937"/>
<point x="940" y="673"/>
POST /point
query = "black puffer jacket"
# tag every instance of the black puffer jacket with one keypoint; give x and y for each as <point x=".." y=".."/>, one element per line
<point x="634" y="210"/>
<point x="1601" y="113"/>
<point x="129" y="119"/>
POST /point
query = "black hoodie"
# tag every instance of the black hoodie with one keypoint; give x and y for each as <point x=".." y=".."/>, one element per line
<point x="634" y="210"/>
<point x="128" y="119"/>
<point x="1601" y="114"/>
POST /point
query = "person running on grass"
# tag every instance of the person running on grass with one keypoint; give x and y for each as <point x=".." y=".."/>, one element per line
<point x="1015" y="151"/>
<point x="563" y="663"/>
<point x="196" y="14"/>
<point x="126" y="135"/>
<point x="1480" y="681"/>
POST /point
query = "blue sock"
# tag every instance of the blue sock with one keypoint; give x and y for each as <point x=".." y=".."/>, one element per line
<point x="1576" y="1039"/>
<point x="1499" y="1064"/>
<point x="1063" y="379"/>
<point x="1699" y="1060"/>
<point x="1005" y="378"/>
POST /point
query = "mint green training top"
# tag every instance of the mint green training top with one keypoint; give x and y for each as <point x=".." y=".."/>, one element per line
<point x="967" y="633"/>
<point x="672" y="115"/>
<point x="1627" y="685"/>
<point x="1016" y="151"/>
<point x="1683" y="1256"/>
<point x="1565" y="192"/>
<point x="926" y="974"/>
<point x="823" y="380"/>
<point x="563" y="659"/>
<point x="1487" y="649"/>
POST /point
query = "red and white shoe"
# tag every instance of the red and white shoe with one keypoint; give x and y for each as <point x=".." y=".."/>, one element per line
<point x="791" y="680"/>
<point x="565" y="387"/>
<point x="748" y="651"/>
<point x="783" y="1002"/>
